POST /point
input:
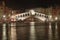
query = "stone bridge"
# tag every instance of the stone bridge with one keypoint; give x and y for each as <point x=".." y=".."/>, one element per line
<point x="23" y="16"/>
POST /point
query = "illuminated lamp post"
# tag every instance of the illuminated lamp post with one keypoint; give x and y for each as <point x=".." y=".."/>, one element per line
<point x="4" y="17"/>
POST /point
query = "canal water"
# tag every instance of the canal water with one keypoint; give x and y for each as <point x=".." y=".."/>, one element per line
<point x="30" y="31"/>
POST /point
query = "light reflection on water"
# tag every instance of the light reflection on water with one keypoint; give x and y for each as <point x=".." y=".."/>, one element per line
<point x="56" y="31"/>
<point x="35" y="32"/>
<point x="4" y="35"/>
<point x="50" y="36"/>
<point x="13" y="31"/>
<point x="32" y="31"/>
<point x="53" y="36"/>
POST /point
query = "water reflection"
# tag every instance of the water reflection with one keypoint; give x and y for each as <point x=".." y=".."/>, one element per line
<point x="56" y="31"/>
<point x="40" y="31"/>
<point x="9" y="31"/>
<point x="23" y="31"/>
<point x="32" y="32"/>
<point x="50" y="32"/>
<point x="13" y="31"/>
<point x="4" y="36"/>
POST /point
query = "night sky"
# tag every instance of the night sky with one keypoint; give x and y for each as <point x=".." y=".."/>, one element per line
<point x="31" y="3"/>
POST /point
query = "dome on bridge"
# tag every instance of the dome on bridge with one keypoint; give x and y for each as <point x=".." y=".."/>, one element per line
<point x="32" y="12"/>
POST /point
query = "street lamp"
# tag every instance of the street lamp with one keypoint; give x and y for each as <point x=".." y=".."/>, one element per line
<point x="4" y="16"/>
<point x="50" y="17"/>
<point x="12" y="12"/>
<point x="56" y="18"/>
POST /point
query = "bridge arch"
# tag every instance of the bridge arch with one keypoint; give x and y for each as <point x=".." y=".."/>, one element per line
<point x="23" y="16"/>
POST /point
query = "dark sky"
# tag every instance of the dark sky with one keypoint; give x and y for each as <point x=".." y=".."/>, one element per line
<point x="31" y="3"/>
